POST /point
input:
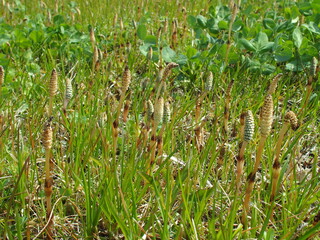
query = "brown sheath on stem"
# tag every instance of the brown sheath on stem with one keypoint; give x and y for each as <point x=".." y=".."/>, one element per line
<point x="290" y="119"/>
<point x="47" y="143"/>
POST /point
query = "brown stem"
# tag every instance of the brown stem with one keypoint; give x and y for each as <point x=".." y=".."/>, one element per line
<point x="259" y="153"/>
<point x="242" y="119"/>
<point x="126" y="110"/>
<point x="246" y="202"/>
<point x="240" y="164"/>
<point x="251" y="179"/>
<point x="48" y="193"/>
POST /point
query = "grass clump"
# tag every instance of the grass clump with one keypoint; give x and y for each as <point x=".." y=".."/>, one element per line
<point x="149" y="120"/>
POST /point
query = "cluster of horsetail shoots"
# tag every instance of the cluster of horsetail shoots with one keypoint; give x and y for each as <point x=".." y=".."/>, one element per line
<point x="158" y="113"/>
<point x="265" y="128"/>
<point x="47" y="143"/>
<point x="199" y="125"/>
<point x="126" y="79"/>
<point x="248" y="134"/>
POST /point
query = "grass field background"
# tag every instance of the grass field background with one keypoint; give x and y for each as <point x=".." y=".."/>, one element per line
<point x="134" y="112"/>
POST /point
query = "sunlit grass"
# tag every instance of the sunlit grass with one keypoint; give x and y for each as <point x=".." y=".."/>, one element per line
<point x="144" y="177"/>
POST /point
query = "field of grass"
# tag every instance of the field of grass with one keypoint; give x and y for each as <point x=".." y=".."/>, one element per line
<point x="159" y="119"/>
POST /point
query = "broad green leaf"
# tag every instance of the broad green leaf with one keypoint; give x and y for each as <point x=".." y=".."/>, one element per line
<point x="150" y="39"/>
<point x="192" y="21"/>
<point x="191" y="52"/>
<point x="316" y="6"/>
<point x="28" y="55"/>
<point x="58" y="19"/>
<point x="307" y="48"/>
<point x="313" y="27"/>
<point x="4" y="38"/>
<point x="4" y="61"/>
<point x="269" y="23"/>
<point x="36" y="36"/>
<point x="180" y="59"/>
<point x="247" y="44"/>
<point x="268" y="46"/>
<point x="254" y="65"/>
<point x="202" y="21"/>
<point x="305" y="8"/>
<point x="262" y="38"/>
<point x="237" y="26"/>
<point x="144" y="49"/>
<point x="294" y="66"/>
<point x="168" y="54"/>
<point x="223" y="25"/>
<point x="142" y="32"/>
<point x="268" y="69"/>
<point x="297" y="37"/>
<point x="284" y="52"/>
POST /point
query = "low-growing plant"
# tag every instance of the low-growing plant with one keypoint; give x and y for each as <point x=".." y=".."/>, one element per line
<point x="142" y="137"/>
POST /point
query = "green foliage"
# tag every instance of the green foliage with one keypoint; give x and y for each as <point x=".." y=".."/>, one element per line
<point x="101" y="192"/>
<point x="259" y="43"/>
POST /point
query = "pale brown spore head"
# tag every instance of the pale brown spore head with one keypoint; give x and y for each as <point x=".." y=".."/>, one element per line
<point x="274" y="83"/>
<point x="291" y="119"/>
<point x="313" y="68"/>
<point x="126" y="79"/>
<point x="53" y="85"/>
<point x="166" y="113"/>
<point x="266" y="116"/>
<point x="167" y="70"/>
<point x="69" y="91"/>
<point x="209" y="82"/>
<point x="150" y="109"/>
<point x="47" y="136"/>
<point x="249" y="126"/>
<point x="158" y="110"/>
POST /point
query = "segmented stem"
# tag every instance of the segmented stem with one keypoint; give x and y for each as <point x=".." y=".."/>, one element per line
<point x="47" y="143"/>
